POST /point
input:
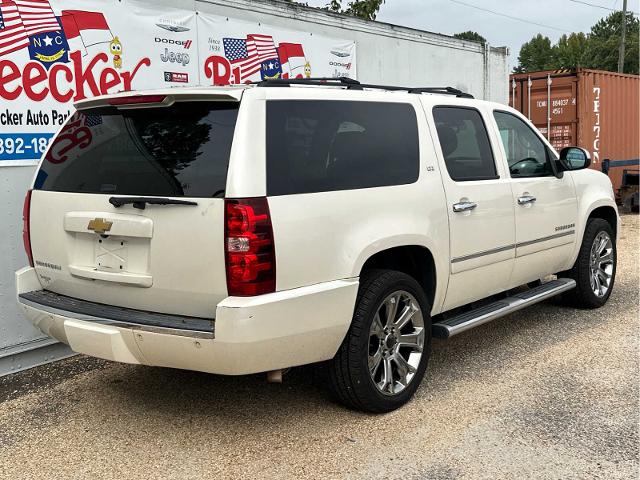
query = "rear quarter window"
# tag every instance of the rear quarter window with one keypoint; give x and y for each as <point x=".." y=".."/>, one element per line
<point x="320" y="146"/>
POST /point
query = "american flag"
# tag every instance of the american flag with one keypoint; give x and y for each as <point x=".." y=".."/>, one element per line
<point x="37" y="16"/>
<point x="250" y="53"/>
<point x="12" y="33"/>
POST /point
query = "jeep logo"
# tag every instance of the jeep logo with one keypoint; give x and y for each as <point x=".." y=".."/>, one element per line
<point x="173" y="57"/>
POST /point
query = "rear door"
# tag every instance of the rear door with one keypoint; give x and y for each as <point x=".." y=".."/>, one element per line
<point x="481" y="214"/>
<point x="162" y="258"/>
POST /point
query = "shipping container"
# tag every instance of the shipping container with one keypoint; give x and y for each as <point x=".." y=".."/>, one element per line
<point x="592" y="109"/>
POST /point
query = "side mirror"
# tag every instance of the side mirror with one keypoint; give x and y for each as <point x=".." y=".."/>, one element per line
<point x="574" y="158"/>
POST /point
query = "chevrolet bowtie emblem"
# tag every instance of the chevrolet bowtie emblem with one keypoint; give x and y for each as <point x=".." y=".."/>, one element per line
<point x="99" y="225"/>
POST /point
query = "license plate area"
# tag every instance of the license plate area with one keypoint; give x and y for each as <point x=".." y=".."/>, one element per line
<point x="111" y="254"/>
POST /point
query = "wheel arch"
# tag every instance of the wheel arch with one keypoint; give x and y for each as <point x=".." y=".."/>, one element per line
<point x="415" y="260"/>
<point x="605" y="209"/>
<point x="607" y="213"/>
<point x="595" y="200"/>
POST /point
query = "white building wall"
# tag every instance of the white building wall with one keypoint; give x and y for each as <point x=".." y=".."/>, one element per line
<point x="21" y="345"/>
<point x="386" y="54"/>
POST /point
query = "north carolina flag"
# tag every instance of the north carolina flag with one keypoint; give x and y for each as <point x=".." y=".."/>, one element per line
<point x="292" y="58"/>
<point x="91" y="27"/>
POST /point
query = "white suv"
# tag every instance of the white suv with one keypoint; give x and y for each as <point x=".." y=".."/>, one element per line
<point x="236" y="230"/>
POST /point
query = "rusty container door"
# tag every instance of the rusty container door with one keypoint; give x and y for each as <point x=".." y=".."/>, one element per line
<point x="609" y="118"/>
<point x="592" y="109"/>
<point x="549" y="100"/>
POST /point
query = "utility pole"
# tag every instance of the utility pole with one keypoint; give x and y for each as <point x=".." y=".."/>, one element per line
<point x="624" y="31"/>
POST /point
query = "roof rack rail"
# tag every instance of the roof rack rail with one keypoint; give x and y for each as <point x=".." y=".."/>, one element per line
<point x="442" y="91"/>
<point x="285" y="82"/>
<point x="352" y="84"/>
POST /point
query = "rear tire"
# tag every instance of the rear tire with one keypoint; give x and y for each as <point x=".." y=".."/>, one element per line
<point x="384" y="355"/>
<point x="595" y="267"/>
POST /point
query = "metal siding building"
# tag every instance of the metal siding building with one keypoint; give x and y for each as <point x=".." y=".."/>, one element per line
<point x="21" y="345"/>
<point x="386" y="54"/>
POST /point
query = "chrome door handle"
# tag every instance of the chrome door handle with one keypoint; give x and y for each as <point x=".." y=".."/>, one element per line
<point x="526" y="199"/>
<point x="464" y="206"/>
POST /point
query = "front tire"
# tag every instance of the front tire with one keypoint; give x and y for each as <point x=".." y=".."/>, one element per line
<point x="384" y="355"/>
<point x="595" y="267"/>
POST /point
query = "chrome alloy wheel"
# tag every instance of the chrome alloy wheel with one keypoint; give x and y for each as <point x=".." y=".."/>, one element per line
<point x="396" y="341"/>
<point x="601" y="264"/>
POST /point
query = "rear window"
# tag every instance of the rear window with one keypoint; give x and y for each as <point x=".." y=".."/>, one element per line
<point x="319" y="146"/>
<point x="178" y="151"/>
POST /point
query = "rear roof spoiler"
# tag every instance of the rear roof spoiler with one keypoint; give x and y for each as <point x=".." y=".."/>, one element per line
<point x="161" y="98"/>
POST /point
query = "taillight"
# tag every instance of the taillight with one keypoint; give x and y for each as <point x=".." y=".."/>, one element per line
<point x="249" y="249"/>
<point x="26" y="234"/>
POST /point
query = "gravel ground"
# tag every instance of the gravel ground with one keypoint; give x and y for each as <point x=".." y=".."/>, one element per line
<point x="549" y="392"/>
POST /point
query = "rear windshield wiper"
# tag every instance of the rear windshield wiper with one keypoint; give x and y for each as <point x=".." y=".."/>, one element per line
<point x="141" y="202"/>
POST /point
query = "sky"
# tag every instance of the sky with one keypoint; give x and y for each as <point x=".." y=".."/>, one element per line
<point x="450" y="16"/>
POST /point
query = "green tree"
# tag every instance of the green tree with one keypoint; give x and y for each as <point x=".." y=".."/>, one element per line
<point x="471" y="36"/>
<point x="604" y="41"/>
<point x="536" y="54"/>
<point x="570" y="51"/>
<point x="598" y="49"/>
<point x="367" y="9"/>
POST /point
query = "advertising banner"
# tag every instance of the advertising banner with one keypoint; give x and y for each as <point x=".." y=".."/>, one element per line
<point x="56" y="52"/>
<point x="234" y="51"/>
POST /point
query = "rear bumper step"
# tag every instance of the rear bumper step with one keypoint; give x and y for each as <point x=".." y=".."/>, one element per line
<point x="118" y="316"/>
<point x="252" y="334"/>
<point x="468" y="320"/>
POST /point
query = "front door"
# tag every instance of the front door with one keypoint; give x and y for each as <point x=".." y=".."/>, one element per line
<point x="545" y="205"/>
<point x="479" y="205"/>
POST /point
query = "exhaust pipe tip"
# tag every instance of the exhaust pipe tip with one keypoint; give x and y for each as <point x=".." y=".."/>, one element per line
<point x="275" y="376"/>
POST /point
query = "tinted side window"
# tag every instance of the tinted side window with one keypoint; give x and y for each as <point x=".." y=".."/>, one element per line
<point x="319" y="146"/>
<point x="465" y="143"/>
<point x="527" y="155"/>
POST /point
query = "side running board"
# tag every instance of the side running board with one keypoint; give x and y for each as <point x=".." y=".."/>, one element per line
<point x="468" y="320"/>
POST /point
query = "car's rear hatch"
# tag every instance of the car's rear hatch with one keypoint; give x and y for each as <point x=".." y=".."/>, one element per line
<point x="127" y="208"/>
